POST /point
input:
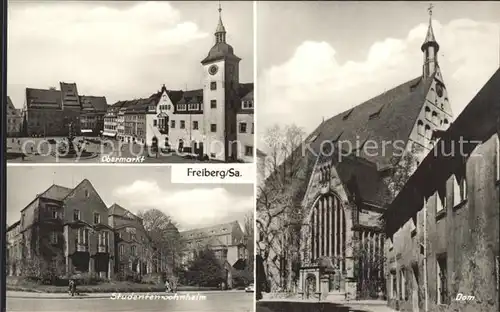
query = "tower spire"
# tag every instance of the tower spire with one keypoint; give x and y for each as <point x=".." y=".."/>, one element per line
<point x="430" y="48"/>
<point x="220" y="32"/>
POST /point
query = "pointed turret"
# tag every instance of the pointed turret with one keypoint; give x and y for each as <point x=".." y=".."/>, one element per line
<point x="430" y="48"/>
<point x="220" y="32"/>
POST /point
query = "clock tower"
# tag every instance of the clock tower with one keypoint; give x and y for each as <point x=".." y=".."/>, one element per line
<point x="220" y="98"/>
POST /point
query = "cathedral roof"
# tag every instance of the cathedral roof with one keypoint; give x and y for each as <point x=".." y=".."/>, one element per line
<point x="438" y="166"/>
<point x="388" y="117"/>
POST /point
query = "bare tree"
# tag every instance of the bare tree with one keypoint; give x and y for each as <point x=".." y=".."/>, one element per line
<point x="279" y="210"/>
<point x="166" y="241"/>
<point x="249" y="238"/>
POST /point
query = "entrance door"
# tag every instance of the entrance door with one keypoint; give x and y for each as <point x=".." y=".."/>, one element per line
<point x="414" y="294"/>
<point x="310" y="285"/>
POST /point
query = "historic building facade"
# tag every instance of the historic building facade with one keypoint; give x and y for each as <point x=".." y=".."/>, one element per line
<point x="14" y="119"/>
<point x="70" y="231"/>
<point x="216" y="120"/>
<point x="442" y="230"/>
<point x="48" y="112"/>
<point x="347" y="192"/>
<point x="227" y="240"/>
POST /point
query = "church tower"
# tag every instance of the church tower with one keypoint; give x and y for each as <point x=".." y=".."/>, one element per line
<point x="220" y="97"/>
<point x="430" y="48"/>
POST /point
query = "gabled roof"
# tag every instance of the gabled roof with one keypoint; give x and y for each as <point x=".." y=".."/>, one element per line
<point x="191" y="96"/>
<point x="10" y="105"/>
<point x="56" y="192"/>
<point x="95" y="103"/>
<point x="117" y="210"/>
<point x="219" y="229"/>
<point x="388" y="117"/>
<point x="437" y="166"/>
<point x="43" y="98"/>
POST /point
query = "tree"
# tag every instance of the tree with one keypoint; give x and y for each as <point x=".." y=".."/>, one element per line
<point x="279" y="210"/>
<point x="249" y="238"/>
<point x="166" y="241"/>
<point x="205" y="270"/>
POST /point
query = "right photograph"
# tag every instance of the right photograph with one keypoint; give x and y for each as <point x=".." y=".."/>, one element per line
<point x="378" y="156"/>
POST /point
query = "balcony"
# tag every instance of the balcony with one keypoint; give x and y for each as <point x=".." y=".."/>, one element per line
<point x="82" y="248"/>
<point x="102" y="249"/>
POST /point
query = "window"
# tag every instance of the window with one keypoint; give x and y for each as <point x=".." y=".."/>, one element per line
<point x="248" y="150"/>
<point x="394" y="285"/>
<point x="243" y="127"/>
<point x="183" y="124"/>
<point x="172" y="124"/>
<point x="76" y="215"/>
<point x="420" y="128"/>
<point x="97" y="218"/>
<point x="253" y="127"/>
<point x="155" y="123"/>
<point x="213" y="128"/>
<point x="54" y="213"/>
<point x="435" y="118"/>
<point x="428" y="113"/>
<point x="53" y="237"/>
<point x="247" y="104"/>
<point x="459" y="190"/>
<point x="442" y="280"/>
<point x="213" y="85"/>
<point x="213" y="104"/>
<point x="428" y="132"/>
<point x="402" y="286"/>
<point x="181" y="107"/>
<point x="440" y="204"/>
<point x="413" y="225"/>
<point x="132" y="236"/>
<point x="133" y="250"/>
<point x="195" y="125"/>
<point x="22" y="219"/>
<point x="122" y="250"/>
<point x="87" y="193"/>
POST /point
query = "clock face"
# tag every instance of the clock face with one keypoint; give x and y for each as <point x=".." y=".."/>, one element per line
<point x="213" y="69"/>
<point x="439" y="90"/>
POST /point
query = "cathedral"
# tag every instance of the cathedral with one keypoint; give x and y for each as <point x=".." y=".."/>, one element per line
<point x="341" y="249"/>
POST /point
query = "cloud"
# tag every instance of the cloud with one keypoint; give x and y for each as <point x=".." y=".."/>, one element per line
<point x="312" y="84"/>
<point x="115" y="51"/>
<point x="190" y="208"/>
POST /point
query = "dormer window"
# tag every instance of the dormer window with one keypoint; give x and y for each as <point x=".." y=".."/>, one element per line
<point x="428" y="115"/>
<point x="247" y="104"/>
<point x="181" y="107"/>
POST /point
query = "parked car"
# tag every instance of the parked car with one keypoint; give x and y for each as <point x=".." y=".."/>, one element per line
<point x="250" y="288"/>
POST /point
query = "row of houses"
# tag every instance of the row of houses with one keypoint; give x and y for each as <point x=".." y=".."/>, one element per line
<point x="215" y="120"/>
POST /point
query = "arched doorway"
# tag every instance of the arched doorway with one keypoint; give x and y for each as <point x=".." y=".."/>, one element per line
<point x="310" y="285"/>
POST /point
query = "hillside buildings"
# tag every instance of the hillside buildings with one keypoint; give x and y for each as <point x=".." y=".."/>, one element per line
<point x="216" y="120"/>
<point x="442" y="230"/>
<point x="48" y="112"/>
<point x="345" y="197"/>
<point x="227" y="241"/>
<point x="67" y="231"/>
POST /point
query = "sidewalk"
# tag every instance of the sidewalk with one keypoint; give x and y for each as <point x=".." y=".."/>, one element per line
<point x="42" y="295"/>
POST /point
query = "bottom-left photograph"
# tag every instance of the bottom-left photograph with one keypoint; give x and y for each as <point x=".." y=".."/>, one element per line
<point x="124" y="238"/>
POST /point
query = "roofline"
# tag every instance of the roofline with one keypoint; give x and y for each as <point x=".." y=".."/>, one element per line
<point x="13" y="225"/>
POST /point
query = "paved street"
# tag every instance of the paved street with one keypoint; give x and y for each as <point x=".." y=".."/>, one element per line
<point x="37" y="150"/>
<point x="215" y="302"/>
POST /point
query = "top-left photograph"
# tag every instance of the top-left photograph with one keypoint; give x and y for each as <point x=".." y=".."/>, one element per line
<point x="130" y="82"/>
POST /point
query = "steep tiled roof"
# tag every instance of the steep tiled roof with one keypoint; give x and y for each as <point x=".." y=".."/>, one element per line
<point x="117" y="210"/>
<point x="56" y="192"/>
<point x="246" y="90"/>
<point x="437" y="166"/>
<point x="388" y="117"/>
<point x="205" y="232"/>
<point x="39" y="98"/>
<point x="191" y="96"/>
<point x="95" y="103"/>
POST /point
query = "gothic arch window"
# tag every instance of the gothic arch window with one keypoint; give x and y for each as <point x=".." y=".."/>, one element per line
<point x="328" y="230"/>
<point x="435" y="118"/>
<point x="428" y="113"/>
<point x="420" y="128"/>
<point x="428" y="132"/>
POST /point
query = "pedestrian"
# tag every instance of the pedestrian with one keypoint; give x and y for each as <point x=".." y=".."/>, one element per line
<point x="167" y="286"/>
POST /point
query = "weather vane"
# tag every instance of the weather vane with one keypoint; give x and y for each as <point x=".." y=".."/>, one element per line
<point x="430" y="9"/>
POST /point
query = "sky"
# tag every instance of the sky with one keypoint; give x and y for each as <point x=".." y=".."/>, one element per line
<point x="340" y="54"/>
<point x="136" y="188"/>
<point x="121" y="50"/>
